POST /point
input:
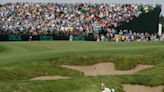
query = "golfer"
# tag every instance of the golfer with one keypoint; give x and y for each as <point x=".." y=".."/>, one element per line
<point x="105" y="89"/>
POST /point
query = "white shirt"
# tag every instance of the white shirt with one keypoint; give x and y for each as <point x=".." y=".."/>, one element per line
<point x="106" y="90"/>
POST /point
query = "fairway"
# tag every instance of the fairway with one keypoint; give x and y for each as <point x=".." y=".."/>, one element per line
<point x="22" y="61"/>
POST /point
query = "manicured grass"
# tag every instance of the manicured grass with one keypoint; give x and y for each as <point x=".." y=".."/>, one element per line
<point x="21" y="61"/>
<point x="2" y="49"/>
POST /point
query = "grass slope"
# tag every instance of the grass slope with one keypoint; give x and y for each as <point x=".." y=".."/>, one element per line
<point x="21" y="61"/>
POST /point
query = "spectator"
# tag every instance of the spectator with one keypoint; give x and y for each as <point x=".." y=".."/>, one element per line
<point x="77" y="19"/>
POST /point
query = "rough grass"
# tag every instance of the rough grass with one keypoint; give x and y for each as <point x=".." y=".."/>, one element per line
<point x="25" y="60"/>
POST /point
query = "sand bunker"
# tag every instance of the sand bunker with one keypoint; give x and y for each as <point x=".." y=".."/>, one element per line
<point x="139" y="88"/>
<point x="50" y="78"/>
<point x="105" y="69"/>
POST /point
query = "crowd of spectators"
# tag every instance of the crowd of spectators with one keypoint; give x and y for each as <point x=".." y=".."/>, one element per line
<point x="79" y="18"/>
<point x="130" y="36"/>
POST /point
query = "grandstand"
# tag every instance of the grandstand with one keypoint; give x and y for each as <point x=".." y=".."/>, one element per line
<point x="82" y="19"/>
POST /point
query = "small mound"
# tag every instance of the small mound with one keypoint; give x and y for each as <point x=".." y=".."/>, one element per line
<point x="105" y="69"/>
<point x="139" y="88"/>
<point x="50" y="78"/>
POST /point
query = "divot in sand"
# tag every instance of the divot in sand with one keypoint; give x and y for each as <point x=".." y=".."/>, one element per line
<point x="50" y="78"/>
<point x="140" y="88"/>
<point x="105" y="69"/>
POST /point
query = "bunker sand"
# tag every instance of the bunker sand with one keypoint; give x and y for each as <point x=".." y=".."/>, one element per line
<point x="105" y="69"/>
<point x="51" y="78"/>
<point x="140" y="88"/>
